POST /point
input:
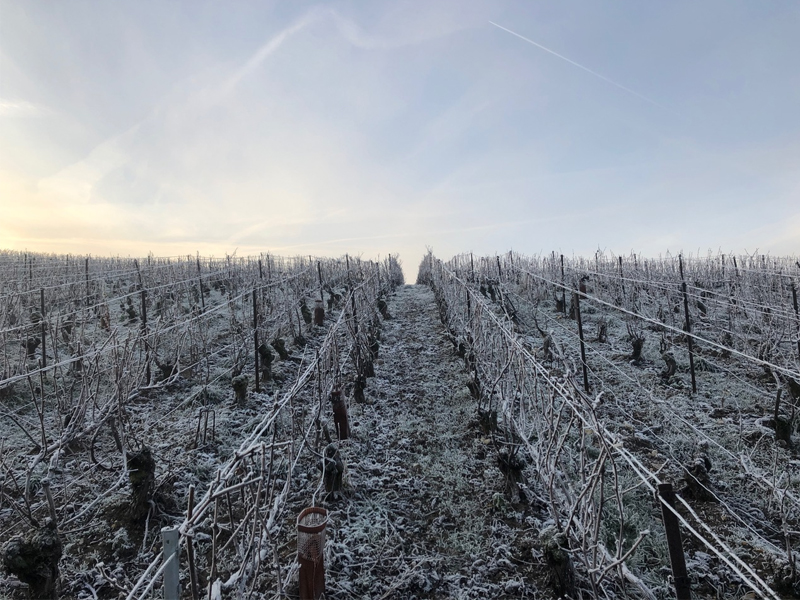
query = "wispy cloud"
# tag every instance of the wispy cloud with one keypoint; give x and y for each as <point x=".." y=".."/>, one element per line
<point x="387" y="127"/>
<point x="127" y="156"/>
<point x="424" y="28"/>
<point x="21" y="109"/>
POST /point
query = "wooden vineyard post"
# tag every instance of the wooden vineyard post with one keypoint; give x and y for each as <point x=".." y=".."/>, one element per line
<point x="360" y="381"/>
<point x="499" y="270"/>
<point x="138" y="274"/>
<point x="688" y="326"/>
<point x="144" y="335"/>
<point x="321" y="291"/>
<point x="621" y="276"/>
<point x="172" y="580"/>
<point x="255" y="339"/>
<point x="472" y="268"/>
<point x="200" y="286"/>
<point x="576" y="298"/>
<point x="260" y="270"/>
<point x="563" y="289"/>
<point x="86" y="270"/>
<point x="319" y="313"/>
<point x="341" y="422"/>
<point x="797" y="316"/>
<point x="353" y="305"/>
<point x="44" y="350"/>
<point x="676" y="558"/>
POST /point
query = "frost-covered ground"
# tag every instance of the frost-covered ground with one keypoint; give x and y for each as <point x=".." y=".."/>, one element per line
<point x="425" y="512"/>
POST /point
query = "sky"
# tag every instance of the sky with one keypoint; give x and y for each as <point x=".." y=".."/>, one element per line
<point x="376" y="128"/>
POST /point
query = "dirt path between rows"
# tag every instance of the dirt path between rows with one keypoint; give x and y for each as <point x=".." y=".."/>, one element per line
<point x="424" y="513"/>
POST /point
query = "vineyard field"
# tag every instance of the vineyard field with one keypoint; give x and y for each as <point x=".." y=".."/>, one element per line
<point x="509" y="427"/>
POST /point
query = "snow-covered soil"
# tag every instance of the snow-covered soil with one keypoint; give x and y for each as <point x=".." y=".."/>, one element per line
<point x="425" y="512"/>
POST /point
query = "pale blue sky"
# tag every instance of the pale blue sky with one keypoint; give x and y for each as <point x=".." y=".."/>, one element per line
<point x="378" y="127"/>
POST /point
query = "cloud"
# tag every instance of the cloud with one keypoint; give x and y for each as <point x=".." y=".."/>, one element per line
<point x="22" y="109"/>
<point x="374" y="128"/>
<point x="200" y="147"/>
<point x="76" y="182"/>
<point x="402" y="27"/>
<point x="110" y="168"/>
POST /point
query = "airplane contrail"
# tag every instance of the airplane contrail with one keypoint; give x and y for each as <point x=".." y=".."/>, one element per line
<point x="269" y="48"/>
<point x="580" y="66"/>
